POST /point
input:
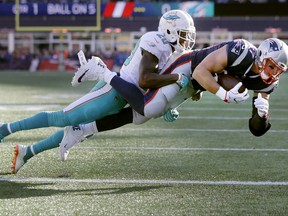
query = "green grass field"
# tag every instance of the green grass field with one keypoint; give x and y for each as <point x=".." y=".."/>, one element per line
<point x="206" y="163"/>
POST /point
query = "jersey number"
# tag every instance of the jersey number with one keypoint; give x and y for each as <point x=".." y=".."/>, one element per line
<point x="128" y="60"/>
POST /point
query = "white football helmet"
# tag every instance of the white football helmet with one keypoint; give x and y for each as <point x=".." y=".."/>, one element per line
<point x="272" y="59"/>
<point x="178" y="28"/>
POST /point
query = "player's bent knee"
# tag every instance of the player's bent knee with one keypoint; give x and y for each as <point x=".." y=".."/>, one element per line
<point x="156" y="107"/>
<point x="170" y="91"/>
<point x="154" y="110"/>
<point x="138" y="118"/>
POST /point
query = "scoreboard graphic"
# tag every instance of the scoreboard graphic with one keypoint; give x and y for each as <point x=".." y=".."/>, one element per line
<point x="57" y="17"/>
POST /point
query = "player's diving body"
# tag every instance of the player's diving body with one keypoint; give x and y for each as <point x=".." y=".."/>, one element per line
<point x="103" y="100"/>
<point x="259" y="69"/>
<point x="243" y="61"/>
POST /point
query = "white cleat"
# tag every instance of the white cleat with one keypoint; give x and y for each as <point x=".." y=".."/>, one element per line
<point x="72" y="136"/>
<point x="18" y="158"/>
<point x="93" y="70"/>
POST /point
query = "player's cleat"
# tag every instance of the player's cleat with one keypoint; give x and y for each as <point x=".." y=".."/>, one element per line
<point x="72" y="136"/>
<point x="93" y="70"/>
<point x="81" y="57"/>
<point x="18" y="158"/>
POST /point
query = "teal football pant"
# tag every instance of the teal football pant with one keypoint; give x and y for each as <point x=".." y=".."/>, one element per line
<point x="100" y="102"/>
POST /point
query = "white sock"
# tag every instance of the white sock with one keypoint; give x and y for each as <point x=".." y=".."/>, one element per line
<point x="108" y="76"/>
<point x="89" y="129"/>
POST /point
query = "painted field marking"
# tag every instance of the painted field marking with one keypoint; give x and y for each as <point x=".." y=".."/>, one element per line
<point x="146" y="181"/>
<point x="45" y="106"/>
<point x="181" y="149"/>
<point x="196" y="130"/>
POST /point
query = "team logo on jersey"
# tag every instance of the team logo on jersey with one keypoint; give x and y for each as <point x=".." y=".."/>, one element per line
<point x="273" y="46"/>
<point x="238" y="47"/>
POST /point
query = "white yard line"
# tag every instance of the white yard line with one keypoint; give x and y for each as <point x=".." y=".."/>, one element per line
<point x="244" y="118"/>
<point x="45" y="106"/>
<point x="156" y="130"/>
<point x="146" y="181"/>
<point x="3" y="145"/>
<point x="29" y="107"/>
<point x="241" y="109"/>
<point x="182" y="149"/>
<point x="39" y="107"/>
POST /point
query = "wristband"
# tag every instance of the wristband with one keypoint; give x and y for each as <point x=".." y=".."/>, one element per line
<point x="221" y="93"/>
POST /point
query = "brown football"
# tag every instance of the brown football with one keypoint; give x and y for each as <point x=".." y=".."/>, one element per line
<point x="229" y="81"/>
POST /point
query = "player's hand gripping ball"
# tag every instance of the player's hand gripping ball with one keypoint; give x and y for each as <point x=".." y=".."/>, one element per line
<point x="229" y="81"/>
<point x="232" y="90"/>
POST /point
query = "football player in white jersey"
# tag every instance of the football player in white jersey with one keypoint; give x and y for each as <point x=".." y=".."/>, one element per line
<point x="149" y="56"/>
<point x="259" y="69"/>
<point x="141" y="69"/>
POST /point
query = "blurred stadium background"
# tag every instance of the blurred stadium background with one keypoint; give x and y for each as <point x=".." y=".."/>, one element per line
<point x="46" y="35"/>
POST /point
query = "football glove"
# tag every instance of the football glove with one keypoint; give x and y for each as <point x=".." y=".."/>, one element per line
<point x="233" y="96"/>
<point x="183" y="82"/>
<point x="262" y="106"/>
<point x="171" y="115"/>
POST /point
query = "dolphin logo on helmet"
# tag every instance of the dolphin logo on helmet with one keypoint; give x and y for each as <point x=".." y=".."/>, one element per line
<point x="178" y="28"/>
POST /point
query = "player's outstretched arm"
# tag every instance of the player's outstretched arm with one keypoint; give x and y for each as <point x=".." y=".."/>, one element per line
<point x="259" y="122"/>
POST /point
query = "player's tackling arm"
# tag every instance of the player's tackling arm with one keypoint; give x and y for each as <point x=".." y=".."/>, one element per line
<point x="149" y="78"/>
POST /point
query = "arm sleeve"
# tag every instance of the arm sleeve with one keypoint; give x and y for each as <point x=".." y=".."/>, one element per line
<point x="258" y="126"/>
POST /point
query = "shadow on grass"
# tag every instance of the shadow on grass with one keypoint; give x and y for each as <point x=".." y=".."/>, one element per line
<point x="125" y="190"/>
<point x="12" y="190"/>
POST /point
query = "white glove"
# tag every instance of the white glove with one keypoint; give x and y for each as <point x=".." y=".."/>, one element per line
<point x="233" y="96"/>
<point x="171" y="115"/>
<point x="262" y="106"/>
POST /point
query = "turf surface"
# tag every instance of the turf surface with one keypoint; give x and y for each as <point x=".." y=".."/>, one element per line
<point x="206" y="163"/>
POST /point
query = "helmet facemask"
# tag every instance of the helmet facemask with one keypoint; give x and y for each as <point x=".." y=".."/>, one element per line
<point x="270" y="71"/>
<point x="185" y="40"/>
<point x="272" y="59"/>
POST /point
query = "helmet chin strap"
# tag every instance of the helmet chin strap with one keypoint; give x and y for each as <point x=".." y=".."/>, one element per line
<point x="264" y="75"/>
<point x="176" y="47"/>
